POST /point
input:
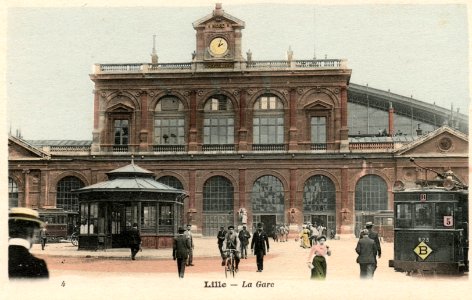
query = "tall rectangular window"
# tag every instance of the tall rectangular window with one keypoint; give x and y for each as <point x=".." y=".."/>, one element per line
<point x="268" y="130"/>
<point x="318" y="130"/>
<point x="121" y="130"/>
<point x="148" y="216"/>
<point x="218" y="130"/>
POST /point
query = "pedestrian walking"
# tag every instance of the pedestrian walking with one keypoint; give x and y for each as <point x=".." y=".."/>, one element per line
<point x="314" y="233"/>
<point x="244" y="237"/>
<point x="304" y="237"/>
<point x="189" y="236"/>
<point x="374" y="236"/>
<point x="43" y="236"/>
<point x="366" y="249"/>
<point x="232" y="242"/>
<point x="221" y="237"/>
<point x="134" y="239"/>
<point x="317" y="258"/>
<point x="260" y="246"/>
<point x="22" y="223"/>
<point x="180" y="251"/>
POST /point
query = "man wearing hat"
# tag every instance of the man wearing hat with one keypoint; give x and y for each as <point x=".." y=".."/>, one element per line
<point x="366" y="249"/>
<point x="134" y="241"/>
<point x="180" y="251"/>
<point x="258" y="246"/>
<point x="232" y="242"/>
<point x="244" y="237"/>
<point x="374" y="236"/>
<point x="221" y="238"/>
<point x="188" y="234"/>
<point x="22" y="223"/>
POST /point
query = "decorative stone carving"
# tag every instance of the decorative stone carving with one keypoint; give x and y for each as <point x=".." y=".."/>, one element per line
<point x="200" y="93"/>
<point x="300" y="91"/>
<point x="236" y="92"/>
<point x="250" y="91"/>
<point x="336" y="90"/>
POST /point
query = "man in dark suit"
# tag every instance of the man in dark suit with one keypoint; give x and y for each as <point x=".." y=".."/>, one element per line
<point x="244" y="237"/>
<point x="221" y="237"/>
<point x="134" y="241"/>
<point x="188" y="234"/>
<point x="180" y="250"/>
<point x="22" y="223"/>
<point x="374" y="236"/>
<point x="258" y="246"/>
<point x="366" y="249"/>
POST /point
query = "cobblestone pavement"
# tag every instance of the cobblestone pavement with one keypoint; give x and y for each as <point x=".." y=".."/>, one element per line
<point x="285" y="274"/>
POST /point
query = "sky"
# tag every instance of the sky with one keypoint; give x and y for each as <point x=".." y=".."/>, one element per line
<point x="419" y="50"/>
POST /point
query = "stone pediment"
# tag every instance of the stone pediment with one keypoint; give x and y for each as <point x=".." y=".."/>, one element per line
<point x="318" y="105"/>
<point x="20" y="149"/>
<point x="444" y="141"/>
<point x="218" y="16"/>
<point x="120" y="108"/>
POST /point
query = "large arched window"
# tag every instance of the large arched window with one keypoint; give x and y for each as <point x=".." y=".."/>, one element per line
<point x="218" y="195"/>
<point x="171" y="181"/>
<point x="12" y="193"/>
<point x="371" y="194"/>
<point x="64" y="198"/>
<point x="267" y="195"/>
<point x="169" y="122"/>
<point x="268" y="120"/>
<point x="218" y="123"/>
<point x="319" y="194"/>
<point x="218" y="198"/>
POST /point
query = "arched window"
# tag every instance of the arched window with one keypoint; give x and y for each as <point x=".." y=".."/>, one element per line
<point x="218" y="195"/>
<point x="371" y="194"/>
<point x="319" y="194"/>
<point x="171" y="181"/>
<point x="169" y="122"/>
<point x="267" y="195"/>
<point x="12" y="193"/>
<point x="268" y="120"/>
<point x="218" y="123"/>
<point x="218" y="199"/>
<point x="64" y="198"/>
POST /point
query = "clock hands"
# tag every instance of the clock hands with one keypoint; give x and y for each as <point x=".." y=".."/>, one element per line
<point x="220" y="43"/>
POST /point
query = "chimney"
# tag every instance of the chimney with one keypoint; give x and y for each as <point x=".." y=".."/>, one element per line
<point x="390" y="120"/>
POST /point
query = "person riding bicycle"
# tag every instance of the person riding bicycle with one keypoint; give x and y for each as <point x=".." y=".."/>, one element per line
<point x="232" y="242"/>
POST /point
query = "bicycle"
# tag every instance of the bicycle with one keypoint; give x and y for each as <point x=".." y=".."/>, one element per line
<point x="74" y="238"/>
<point x="230" y="266"/>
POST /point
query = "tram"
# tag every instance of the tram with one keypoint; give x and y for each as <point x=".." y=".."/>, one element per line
<point x="59" y="223"/>
<point x="431" y="227"/>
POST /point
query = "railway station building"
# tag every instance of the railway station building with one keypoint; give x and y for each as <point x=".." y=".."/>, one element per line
<point x="278" y="142"/>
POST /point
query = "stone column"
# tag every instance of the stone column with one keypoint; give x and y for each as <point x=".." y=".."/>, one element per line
<point x="242" y="121"/>
<point x="143" y="133"/>
<point x="293" y="143"/>
<point x="346" y="215"/>
<point x="344" y="146"/>
<point x="192" y="144"/>
<point x="27" y="188"/>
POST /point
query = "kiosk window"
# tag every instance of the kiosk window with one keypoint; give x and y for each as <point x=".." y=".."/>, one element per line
<point x="149" y="215"/>
<point x="403" y="219"/>
<point x="423" y="215"/>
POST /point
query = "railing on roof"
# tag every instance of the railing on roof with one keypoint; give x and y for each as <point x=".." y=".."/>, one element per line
<point x="69" y="148"/>
<point x="372" y="146"/>
<point x="196" y="66"/>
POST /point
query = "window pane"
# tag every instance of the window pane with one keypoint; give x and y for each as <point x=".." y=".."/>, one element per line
<point x="404" y="216"/>
<point x="371" y="194"/>
<point x="267" y="195"/>
<point x="423" y="215"/>
<point x="64" y="198"/>
<point x="218" y="195"/>
<point x="319" y="194"/>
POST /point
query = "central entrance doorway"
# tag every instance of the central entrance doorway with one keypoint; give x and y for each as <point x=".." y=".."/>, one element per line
<point x="269" y="222"/>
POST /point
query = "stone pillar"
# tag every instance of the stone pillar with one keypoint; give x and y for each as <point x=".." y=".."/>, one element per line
<point x="293" y="143"/>
<point x="346" y="215"/>
<point x="344" y="146"/>
<point x="143" y="133"/>
<point x="243" y="122"/>
<point x="192" y="144"/>
<point x="27" y="188"/>
<point x="191" y="203"/>
<point x="242" y="188"/>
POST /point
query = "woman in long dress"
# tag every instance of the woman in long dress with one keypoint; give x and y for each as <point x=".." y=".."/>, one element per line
<point x="304" y="234"/>
<point x="316" y="260"/>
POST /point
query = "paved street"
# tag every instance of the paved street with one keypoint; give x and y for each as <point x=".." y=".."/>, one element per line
<point x="154" y="271"/>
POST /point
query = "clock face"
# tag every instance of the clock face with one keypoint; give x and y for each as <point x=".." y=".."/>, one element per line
<point x="218" y="46"/>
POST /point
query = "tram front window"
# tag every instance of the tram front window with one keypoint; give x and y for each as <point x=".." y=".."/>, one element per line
<point x="403" y="219"/>
<point x="423" y="215"/>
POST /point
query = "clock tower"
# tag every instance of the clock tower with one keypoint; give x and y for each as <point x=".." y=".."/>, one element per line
<point x="218" y="39"/>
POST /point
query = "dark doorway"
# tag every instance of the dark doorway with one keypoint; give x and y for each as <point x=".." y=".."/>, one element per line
<point x="320" y="220"/>
<point x="269" y="222"/>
